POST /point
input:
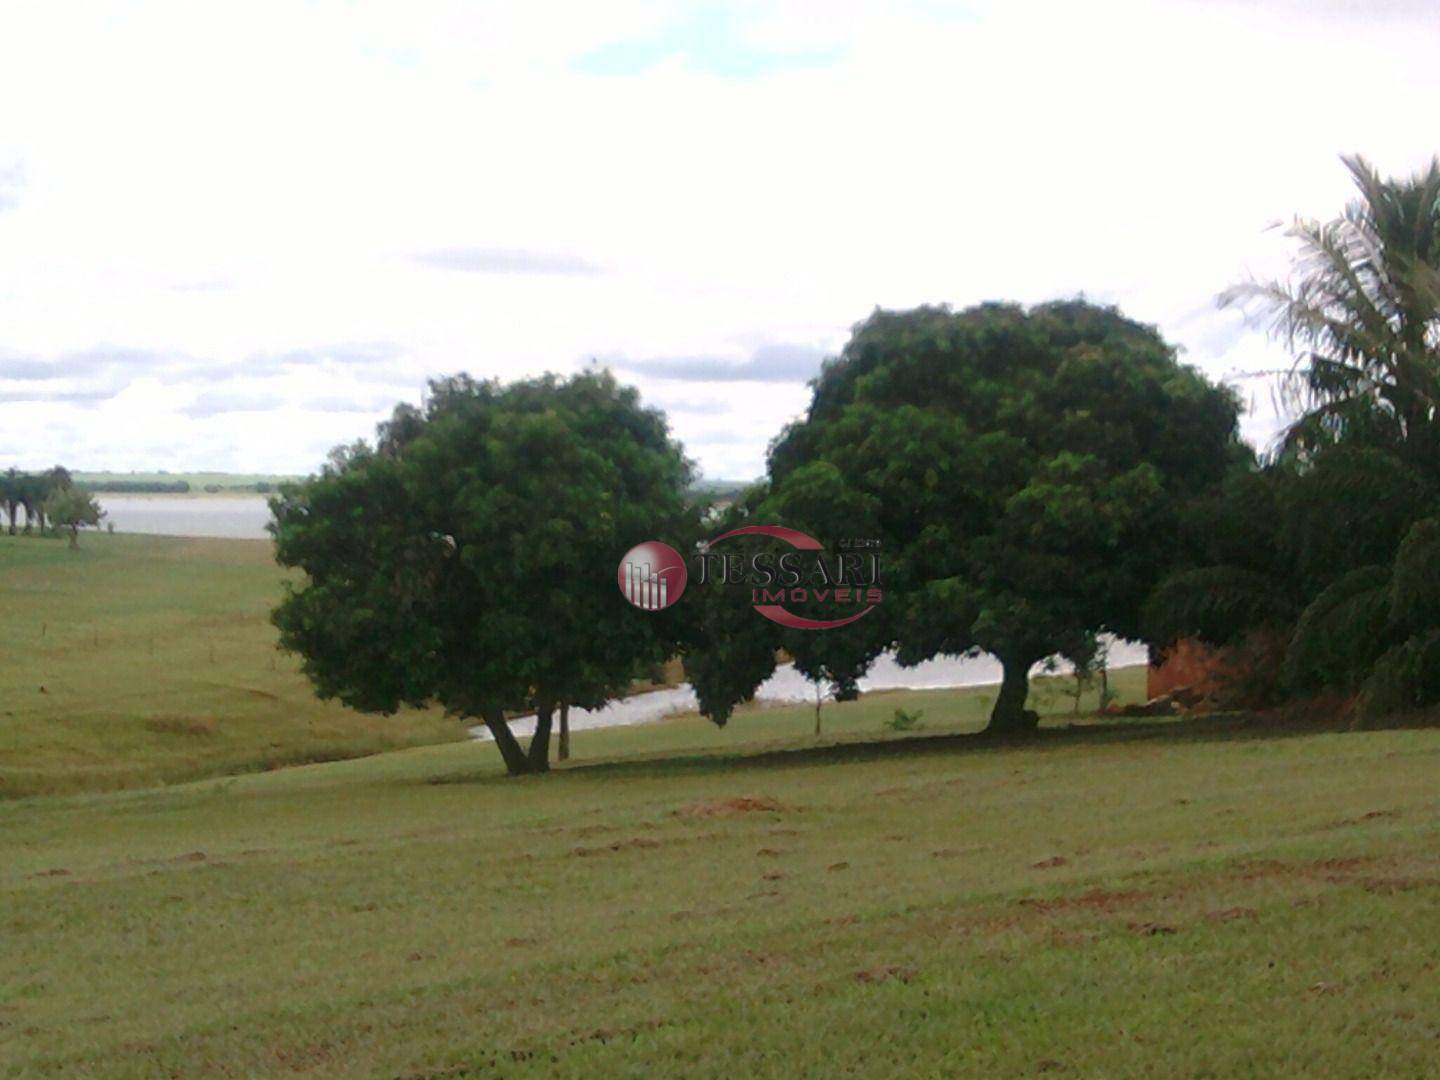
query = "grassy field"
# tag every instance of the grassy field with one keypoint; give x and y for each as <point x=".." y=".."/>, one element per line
<point x="142" y="660"/>
<point x="1182" y="898"/>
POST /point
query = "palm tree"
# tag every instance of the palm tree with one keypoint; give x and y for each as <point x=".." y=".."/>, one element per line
<point x="1362" y="316"/>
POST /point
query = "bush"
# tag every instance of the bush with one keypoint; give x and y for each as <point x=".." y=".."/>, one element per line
<point x="905" y="721"/>
<point x="1406" y="677"/>
<point x="1341" y="633"/>
<point x="1415" y="586"/>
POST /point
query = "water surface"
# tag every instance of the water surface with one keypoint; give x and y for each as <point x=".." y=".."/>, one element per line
<point x="228" y="516"/>
<point x="788" y="686"/>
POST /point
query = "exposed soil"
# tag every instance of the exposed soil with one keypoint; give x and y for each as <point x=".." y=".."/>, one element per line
<point x="744" y="804"/>
<point x="886" y="971"/>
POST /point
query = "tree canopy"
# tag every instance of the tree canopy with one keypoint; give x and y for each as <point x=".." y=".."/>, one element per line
<point x="1024" y="471"/>
<point x="71" y="507"/>
<point x="33" y="492"/>
<point x="468" y="557"/>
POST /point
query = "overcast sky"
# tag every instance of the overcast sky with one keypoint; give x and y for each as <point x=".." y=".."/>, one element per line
<point x="234" y="235"/>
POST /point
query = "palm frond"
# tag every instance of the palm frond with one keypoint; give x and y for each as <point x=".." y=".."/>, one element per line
<point x="1361" y="310"/>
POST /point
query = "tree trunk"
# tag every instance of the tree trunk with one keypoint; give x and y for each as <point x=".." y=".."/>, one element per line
<point x="515" y="761"/>
<point x="1009" y="716"/>
<point x="74" y="536"/>
<point x="539" y="754"/>
<point x="564" y="733"/>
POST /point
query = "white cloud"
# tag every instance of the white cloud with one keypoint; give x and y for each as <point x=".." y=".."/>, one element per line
<point x="504" y="261"/>
<point x="220" y="187"/>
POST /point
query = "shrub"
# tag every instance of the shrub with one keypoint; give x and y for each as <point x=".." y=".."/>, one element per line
<point x="1415" y="586"/>
<point x="1341" y="633"/>
<point x="905" y="721"/>
<point x="1406" y="677"/>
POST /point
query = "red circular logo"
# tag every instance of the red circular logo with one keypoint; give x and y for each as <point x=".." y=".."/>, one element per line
<point x="652" y="575"/>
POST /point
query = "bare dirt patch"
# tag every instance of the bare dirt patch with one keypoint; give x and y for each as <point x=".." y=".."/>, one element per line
<point x="886" y="972"/>
<point x="1095" y="900"/>
<point x="1373" y="815"/>
<point x="1152" y="929"/>
<point x="586" y="830"/>
<point x="641" y="842"/>
<point x="744" y="804"/>
<point x="1232" y="914"/>
<point x="1389" y="886"/>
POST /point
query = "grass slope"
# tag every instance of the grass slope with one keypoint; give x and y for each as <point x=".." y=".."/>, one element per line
<point x="1178" y="898"/>
<point x="1181" y="899"/>
<point x="140" y="660"/>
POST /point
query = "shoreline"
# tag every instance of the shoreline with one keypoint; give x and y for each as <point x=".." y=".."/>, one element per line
<point x="788" y="687"/>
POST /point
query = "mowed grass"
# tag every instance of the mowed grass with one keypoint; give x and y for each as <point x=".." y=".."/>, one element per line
<point x="143" y="660"/>
<point x="1206" y="898"/>
<point x="1182" y="898"/>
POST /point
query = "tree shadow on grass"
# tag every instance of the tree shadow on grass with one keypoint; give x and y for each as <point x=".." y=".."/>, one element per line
<point x="1234" y="727"/>
<point x="1211" y="728"/>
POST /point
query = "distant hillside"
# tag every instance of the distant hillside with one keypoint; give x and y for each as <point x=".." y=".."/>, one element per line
<point x="720" y="489"/>
<point x="162" y="482"/>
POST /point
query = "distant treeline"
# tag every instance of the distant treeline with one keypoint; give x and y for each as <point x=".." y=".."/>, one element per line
<point x="145" y="487"/>
<point x="172" y="487"/>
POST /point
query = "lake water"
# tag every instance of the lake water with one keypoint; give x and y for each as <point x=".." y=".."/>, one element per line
<point x="787" y="686"/>
<point x="231" y="516"/>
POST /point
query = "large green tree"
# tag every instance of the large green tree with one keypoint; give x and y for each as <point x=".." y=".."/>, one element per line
<point x="1023" y="470"/>
<point x="469" y="557"/>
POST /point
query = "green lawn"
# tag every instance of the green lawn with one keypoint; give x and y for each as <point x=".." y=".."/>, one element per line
<point x="142" y="659"/>
<point x="1163" y="900"/>
<point x="1187" y="898"/>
